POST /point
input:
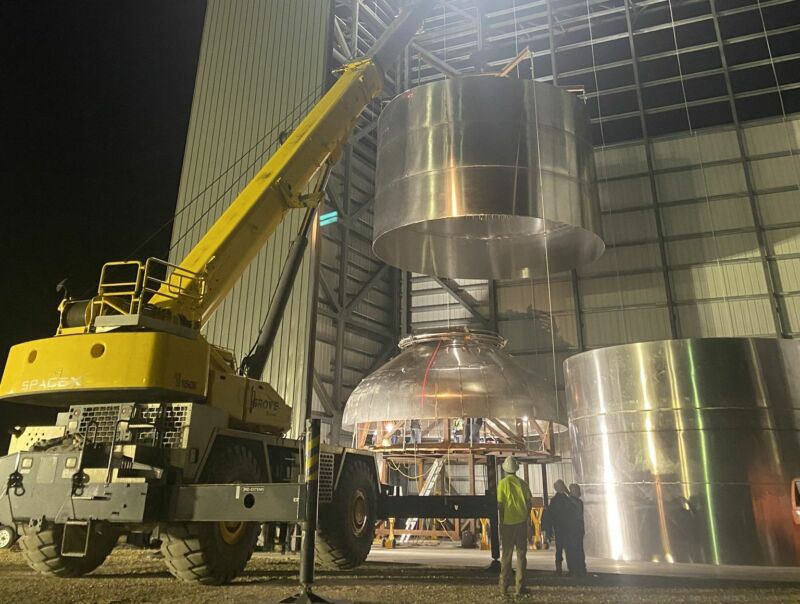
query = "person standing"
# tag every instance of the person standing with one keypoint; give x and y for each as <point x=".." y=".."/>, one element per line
<point x="458" y="430"/>
<point x="416" y="432"/>
<point x="560" y="518"/>
<point x="514" y="504"/>
<point x="580" y="531"/>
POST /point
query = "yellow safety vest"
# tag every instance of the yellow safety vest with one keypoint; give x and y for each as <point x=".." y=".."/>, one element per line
<point x="513" y="497"/>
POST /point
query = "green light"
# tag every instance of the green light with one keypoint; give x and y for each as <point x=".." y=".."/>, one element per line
<point x="328" y="218"/>
<point x="704" y="454"/>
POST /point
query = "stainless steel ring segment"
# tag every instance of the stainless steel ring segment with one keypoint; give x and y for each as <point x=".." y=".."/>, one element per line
<point x="686" y="449"/>
<point x="476" y="174"/>
<point x="451" y="374"/>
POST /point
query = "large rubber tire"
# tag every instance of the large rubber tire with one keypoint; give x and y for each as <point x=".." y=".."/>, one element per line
<point x="214" y="553"/>
<point x="42" y="550"/>
<point x="347" y="524"/>
<point x="8" y="537"/>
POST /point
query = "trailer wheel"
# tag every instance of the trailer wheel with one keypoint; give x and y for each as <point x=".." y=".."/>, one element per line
<point x="8" y="536"/>
<point x="214" y="553"/>
<point x="347" y="525"/>
<point x="42" y="550"/>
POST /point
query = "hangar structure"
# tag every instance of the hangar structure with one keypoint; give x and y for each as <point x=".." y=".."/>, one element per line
<point x="694" y="109"/>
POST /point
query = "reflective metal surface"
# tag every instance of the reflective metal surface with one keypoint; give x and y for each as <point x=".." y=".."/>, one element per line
<point x="476" y="174"/>
<point x="686" y="449"/>
<point x="453" y="374"/>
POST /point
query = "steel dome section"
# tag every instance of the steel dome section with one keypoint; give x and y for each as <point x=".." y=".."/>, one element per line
<point x="452" y="374"/>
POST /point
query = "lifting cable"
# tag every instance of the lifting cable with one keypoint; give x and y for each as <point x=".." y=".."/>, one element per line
<point x="693" y="134"/>
<point x="309" y="101"/>
<point x="290" y="117"/>
<point x="604" y="167"/>
<point x="779" y="89"/>
<point x="397" y="469"/>
<point x="544" y="219"/>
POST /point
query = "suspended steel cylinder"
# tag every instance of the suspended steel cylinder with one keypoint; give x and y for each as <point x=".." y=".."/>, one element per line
<point x="686" y="449"/>
<point x="485" y="177"/>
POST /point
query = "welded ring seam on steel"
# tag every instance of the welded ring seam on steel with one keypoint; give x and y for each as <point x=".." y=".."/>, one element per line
<point x="453" y="199"/>
<point x="721" y="464"/>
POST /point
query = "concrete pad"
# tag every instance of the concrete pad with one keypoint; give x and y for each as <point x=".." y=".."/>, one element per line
<point x="452" y="556"/>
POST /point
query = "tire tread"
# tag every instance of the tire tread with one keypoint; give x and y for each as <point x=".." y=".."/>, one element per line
<point x="187" y="546"/>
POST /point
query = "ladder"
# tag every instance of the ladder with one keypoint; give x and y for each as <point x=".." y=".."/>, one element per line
<point x="427" y="489"/>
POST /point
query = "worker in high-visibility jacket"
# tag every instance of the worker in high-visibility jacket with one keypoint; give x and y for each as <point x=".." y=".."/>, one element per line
<point x="514" y="505"/>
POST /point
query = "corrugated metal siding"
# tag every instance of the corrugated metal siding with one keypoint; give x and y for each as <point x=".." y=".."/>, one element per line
<point x="716" y="269"/>
<point x="261" y="67"/>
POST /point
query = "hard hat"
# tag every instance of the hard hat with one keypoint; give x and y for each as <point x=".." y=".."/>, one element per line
<point x="510" y="465"/>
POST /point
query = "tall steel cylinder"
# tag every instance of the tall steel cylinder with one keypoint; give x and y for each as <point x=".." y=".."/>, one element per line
<point x="686" y="449"/>
<point x="485" y="177"/>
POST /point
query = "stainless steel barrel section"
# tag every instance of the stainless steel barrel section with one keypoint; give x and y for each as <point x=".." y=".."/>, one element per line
<point x="686" y="449"/>
<point x="485" y="177"/>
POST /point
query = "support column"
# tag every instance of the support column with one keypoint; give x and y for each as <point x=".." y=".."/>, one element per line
<point x="493" y="318"/>
<point x="494" y="522"/>
<point x="341" y="299"/>
<point x="545" y="496"/>
<point x="309" y="524"/>
<point x="672" y="313"/>
<point x="573" y="274"/>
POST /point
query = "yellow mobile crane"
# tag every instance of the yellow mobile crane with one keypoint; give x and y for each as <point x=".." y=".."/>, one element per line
<point x="161" y="433"/>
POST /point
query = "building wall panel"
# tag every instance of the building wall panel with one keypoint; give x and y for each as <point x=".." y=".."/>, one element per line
<point x="701" y="183"/>
<point x="784" y="241"/>
<point x="625" y="193"/>
<point x="780" y="208"/>
<point x="792" y="305"/>
<point x="725" y="318"/>
<point x="788" y="270"/>
<point x="621" y="291"/>
<point x="623" y="160"/>
<point x="625" y="258"/>
<point x="774" y="137"/>
<point x="718" y="281"/>
<point x="711" y="247"/>
<point x="527" y="334"/>
<point x="628" y="227"/>
<point x="520" y="297"/>
<point x="775" y="172"/>
<point x="609" y="328"/>
<point x="704" y="216"/>
<point x="261" y="66"/>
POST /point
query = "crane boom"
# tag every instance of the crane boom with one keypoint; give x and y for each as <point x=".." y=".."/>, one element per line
<point x="224" y="252"/>
<point x="235" y="238"/>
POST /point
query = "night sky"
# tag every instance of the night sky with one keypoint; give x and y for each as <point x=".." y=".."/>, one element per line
<point x="95" y="100"/>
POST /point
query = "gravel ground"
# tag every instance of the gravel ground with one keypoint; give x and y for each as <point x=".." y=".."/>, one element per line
<point x="139" y="576"/>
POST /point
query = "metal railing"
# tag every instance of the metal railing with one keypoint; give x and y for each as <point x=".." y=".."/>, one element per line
<point x="126" y="287"/>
